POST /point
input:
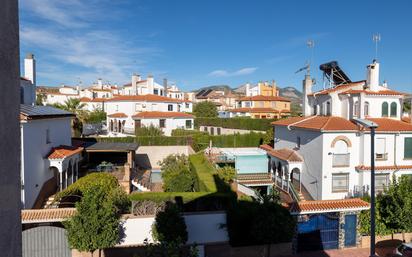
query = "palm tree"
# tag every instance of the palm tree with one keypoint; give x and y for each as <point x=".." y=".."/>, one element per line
<point x="74" y="106"/>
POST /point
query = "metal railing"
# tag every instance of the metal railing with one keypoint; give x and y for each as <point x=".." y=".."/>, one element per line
<point x="293" y="193"/>
<point x="341" y="160"/>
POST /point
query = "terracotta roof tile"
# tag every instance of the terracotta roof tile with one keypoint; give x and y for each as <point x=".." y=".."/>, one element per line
<point x="117" y="115"/>
<point x="254" y="178"/>
<point x="63" y="151"/>
<point x="305" y="207"/>
<point x="368" y="92"/>
<point x="283" y="154"/>
<point x="391" y="167"/>
<point x="94" y="100"/>
<point x="358" y="84"/>
<point x="145" y="98"/>
<point x="387" y="124"/>
<point x="258" y="110"/>
<point x="162" y="115"/>
<point x="321" y="123"/>
<point x="46" y="215"/>
<point x="264" y="98"/>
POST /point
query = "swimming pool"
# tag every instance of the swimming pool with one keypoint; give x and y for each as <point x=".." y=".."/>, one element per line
<point x="248" y="160"/>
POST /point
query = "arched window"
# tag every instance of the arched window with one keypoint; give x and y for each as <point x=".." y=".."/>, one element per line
<point x="393" y="109"/>
<point x="328" y="109"/>
<point x="384" y="109"/>
<point x="366" y="109"/>
<point x="341" y="147"/>
<point x="356" y="109"/>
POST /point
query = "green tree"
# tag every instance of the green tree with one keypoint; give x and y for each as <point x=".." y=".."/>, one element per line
<point x="74" y="105"/>
<point x="205" y="109"/>
<point x="269" y="137"/>
<point x="170" y="226"/>
<point x="95" y="116"/>
<point x="226" y="173"/>
<point x="176" y="174"/>
<point x="40" y="99"/>
<point x="96" y="224"/>
<point x="149" y="131"/>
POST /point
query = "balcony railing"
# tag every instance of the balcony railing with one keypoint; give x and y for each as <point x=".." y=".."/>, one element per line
<point x="341" y="160"/>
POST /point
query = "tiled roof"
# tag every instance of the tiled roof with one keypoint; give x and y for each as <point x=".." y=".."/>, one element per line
<point x="368" y="92"/>
<point x="162" y="115"/>
<point x="391" y="167"/>
<point x="101" y="90"/>
<point x="321" y="123"/>
<point x="63" y="151"/>
<point x="145" y="98"/>
<point x="58" y="93"/>
<point x="340" y="87"/>
<point x="264" y="98"/>
<point x="46" y="215"/>
<point x="283" y="154"/>
<point x="387" y="124"/>
<point x="258" y="110"/>
<point x="94" y="100"/>
<point x="117" y="115"/>
<point x="322" y="206"/>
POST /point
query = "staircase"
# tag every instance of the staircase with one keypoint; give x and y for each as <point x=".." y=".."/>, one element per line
<point x="49" y="203"/>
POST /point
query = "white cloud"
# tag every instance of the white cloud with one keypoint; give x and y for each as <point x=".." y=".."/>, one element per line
<point x="240" y="72"/>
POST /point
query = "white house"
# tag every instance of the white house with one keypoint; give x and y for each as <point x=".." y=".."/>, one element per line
<point x="166" y="121"/>
<point x="143" y="87"/>
<point x="121" y="111"/>
<point x="92" y="104"/>
<point x="326" y="155"/>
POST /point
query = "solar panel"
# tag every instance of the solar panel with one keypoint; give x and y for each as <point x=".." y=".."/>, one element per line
<point x="334" y="73"/>
<point x="36" y="110"/>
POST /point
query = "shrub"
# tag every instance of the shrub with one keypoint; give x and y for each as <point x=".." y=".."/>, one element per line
<point x="96" y="116"/>
<point x="235" y="123"/>
<point x="149" y="131"/>
<point x="226" y="173"/>
<point x="205" y="109"/>
<point x="170" y="226"/>
<point x="176" y="174"/>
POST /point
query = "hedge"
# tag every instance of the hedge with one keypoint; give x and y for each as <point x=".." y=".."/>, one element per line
<point x="204" y="172"/>
<point x="235" y="123"/>
<point x="166" y="196"/>
<point x="198" y="141"/>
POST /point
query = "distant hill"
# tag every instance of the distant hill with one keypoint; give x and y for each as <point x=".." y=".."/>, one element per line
<point x="225" y="88"/>
<point x="292" y="93"/>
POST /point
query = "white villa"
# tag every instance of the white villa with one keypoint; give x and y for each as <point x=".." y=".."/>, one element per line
<point x="126" y="113"/>
<point x="326" y="155"/>
<point x="48" y="161"/>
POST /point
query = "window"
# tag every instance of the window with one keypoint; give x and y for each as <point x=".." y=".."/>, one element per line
<point x="218" y="130"/>
<point x="162" y="123"/>
<point x="381" y="182"/>
<point x="247" y="104"/>
<point x="321" y="109"/>
<point x="187" y="105"/>
<point x="341" y="155"/>
<point x="366" y="109"/>
<point x="381" y="149"/>
<point x="117" y="108"/>
<point x="188" y="124"/>
<point x="407" y="148"/>
<point x="393" y="109"/>
<point x="155" y="91"/>
<point x="170" y="107"/>
<point x="261" y="104"/>
<point x="356" y="109"/>
<point x="384" y="109"/>
<point x="340" y="182"/>
<point x="48" y="141"/>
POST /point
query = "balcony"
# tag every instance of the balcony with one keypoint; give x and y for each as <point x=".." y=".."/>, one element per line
<point x="340" y="160"/>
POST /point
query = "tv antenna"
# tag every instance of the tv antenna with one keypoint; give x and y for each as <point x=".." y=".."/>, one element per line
<point x="310" y="44"/>
<point x="376" y="38"/>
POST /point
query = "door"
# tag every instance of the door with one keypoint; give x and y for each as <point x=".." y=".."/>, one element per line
<point x="45" y="241"/>
<point x="350" y="230"/>
<point x="319" y="232"/>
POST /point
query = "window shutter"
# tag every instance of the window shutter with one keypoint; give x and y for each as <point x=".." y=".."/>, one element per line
<point x="408" y="148"/>
<point x="380" y="146"/>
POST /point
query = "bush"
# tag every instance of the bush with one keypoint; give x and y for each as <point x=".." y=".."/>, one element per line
<point x="96" y="116"/>
<point x="226" y="173"/>
<point x="251" y="223"/>
<point x="166" y="196"/>
<point x="203" y="172"/>
<point x="170" y="226"/>
<point x="176" y="174"/>
<point x="205" y="109"/>
<point x="184" y="132"/>
<point x="235" y="123"/>
<point x="149" y="131"/>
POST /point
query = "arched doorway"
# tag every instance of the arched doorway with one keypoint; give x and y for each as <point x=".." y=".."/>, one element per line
<point x="295" y="178"/>
<point x="111" y="125"/>
<point x="119" y="127"/>
<point x="56" y="175"/>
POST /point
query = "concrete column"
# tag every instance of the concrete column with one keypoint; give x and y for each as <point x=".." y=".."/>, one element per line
<point x="73" y="170"/>
<point x="10" y="194"/>
<point x="61" y="181"/>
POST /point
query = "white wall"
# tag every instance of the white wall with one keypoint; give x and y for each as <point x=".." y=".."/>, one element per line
<point x="202" y="228"/>
<point x="170" y="124"/>
<point x="34" y="149"/>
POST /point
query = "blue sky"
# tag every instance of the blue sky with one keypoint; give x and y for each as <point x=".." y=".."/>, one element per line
<point x="196" y="43"/>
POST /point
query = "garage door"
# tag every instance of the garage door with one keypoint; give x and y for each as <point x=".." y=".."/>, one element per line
<point x="45" y="241"/>
<point x="318" y="232"/>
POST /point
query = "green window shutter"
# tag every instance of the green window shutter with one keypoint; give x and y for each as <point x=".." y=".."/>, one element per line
<point x="408" y="148"/>
<point x="384" y="109"/>
<point x="393" y="109"/>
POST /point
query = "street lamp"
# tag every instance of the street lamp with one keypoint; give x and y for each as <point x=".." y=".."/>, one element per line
<point x="372" y="126"/>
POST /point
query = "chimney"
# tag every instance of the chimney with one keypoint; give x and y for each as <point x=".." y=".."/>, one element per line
<point x="372" y="76"/>
<point x="30" y="68"/>
<point x="150" y="84"/>
<point x="274" y="88"/>
<point x="307" y="89"/>
<point x="100" y="83"/>
<point x="135" y="79"/>
<point x="165" y="86"/>
<point x="247" y="89"/>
